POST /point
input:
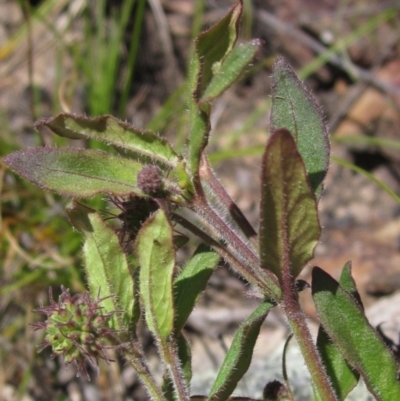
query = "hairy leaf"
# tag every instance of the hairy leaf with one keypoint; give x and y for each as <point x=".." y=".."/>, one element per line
<point x="112" y="131"/>
<point x="79" y="173"/>
<point x="238" y="358"/>
<point x="211" y="47"/>
<point x="106" y="266"/>
<point x="345" y="323"/>
<point x="192" y="281"/>
<point x="156" y="256"/>
<point x="289" y="227"/>
<point x="294" y="108"/>
<point x="231" y="68"/>
<point x="342" y="376"/>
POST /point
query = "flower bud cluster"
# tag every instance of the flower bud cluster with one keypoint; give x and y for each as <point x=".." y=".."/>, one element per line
<point x="76" y="328"/>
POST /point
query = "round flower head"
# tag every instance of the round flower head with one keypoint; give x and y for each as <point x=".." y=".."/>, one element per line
<point x="76" y="328"/>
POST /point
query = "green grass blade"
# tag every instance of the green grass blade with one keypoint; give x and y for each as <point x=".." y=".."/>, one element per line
<point x="370" y="176"/>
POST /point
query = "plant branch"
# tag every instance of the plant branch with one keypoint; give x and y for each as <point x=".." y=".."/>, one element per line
<point x="298" y="324"/>
<point x="256" y="278"/>
<point x="134" y="355"/>
<point x="169" y="353"/>
<point x="207" y="175"/>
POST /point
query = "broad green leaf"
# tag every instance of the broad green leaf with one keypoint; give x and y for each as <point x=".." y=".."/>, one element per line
<point x="210" y="49"/>
<point x="342" y="376"/>
<point x="79" y="173"/>
<point x="238" y="358"/>
<point x="156" y="256"/>
<point x="345" y="323"/>
<point x="289" y="227"/>
<point x="112" y="131"/>
<point x="294" y="108"/>
<point x="231" y="68"/>
<point x="192" y="281"/>
<point x="106" y="266"/>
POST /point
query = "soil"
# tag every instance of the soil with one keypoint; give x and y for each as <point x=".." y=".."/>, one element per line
<point x="360" y="221"/>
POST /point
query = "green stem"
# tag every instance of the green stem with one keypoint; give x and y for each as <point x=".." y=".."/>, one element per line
<point x="135" y="357"/>
<point x="169" y="354"/>
<point x="298" y="324"/>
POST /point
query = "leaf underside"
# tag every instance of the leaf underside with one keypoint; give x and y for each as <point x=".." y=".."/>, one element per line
<point x="289" y="226"/>
<point x="79" y="173"/>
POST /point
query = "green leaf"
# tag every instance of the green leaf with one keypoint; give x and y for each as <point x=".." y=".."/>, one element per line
<point x="79" y="173"/>
<point x="289" y="227"/>
<point x="211" y="47"/>
<point x="232" y="67"/>
<point x="345" y="323"/>
<point x="192" y="281"/>
<point x="106" y="266"/>
<point x="347" y="282"/>
<point x="342" y="376"/>
<point x="156" y="256"/>
<point x="112" y="131"/>
<point x="294" y="108"/>
<point x="238" y="358"/>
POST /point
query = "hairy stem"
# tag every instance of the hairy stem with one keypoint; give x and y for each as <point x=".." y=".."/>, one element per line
<point x="207" y="176"/>
<point x="169" y="353"/>
<point x="135" y="357"/>
<point x="242" y="252"/>
<point x="258" y="279"/>
<point x="298" y="324"/>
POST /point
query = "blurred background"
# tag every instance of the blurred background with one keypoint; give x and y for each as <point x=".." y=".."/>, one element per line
<point x="129" y="58"/>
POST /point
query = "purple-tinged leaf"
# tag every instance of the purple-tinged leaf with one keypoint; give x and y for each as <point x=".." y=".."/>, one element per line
<point x="78" y="173"/>
<point x="289" y="227"/>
